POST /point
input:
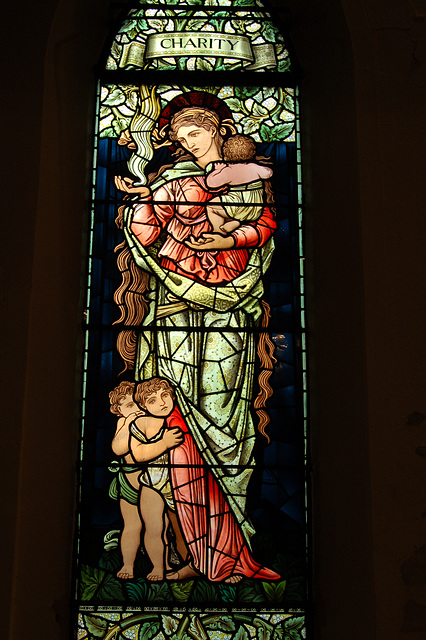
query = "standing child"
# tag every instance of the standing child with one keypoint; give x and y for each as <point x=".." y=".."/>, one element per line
<point x="245" y="198"/>
<point x="126" y="485"/>
<point x="142" y="435"/>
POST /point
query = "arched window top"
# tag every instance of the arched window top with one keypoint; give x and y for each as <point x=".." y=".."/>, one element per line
<point x="191" y="35"/>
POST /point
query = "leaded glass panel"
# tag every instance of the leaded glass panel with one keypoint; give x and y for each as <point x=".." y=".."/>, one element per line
<point x="192" y="507"/>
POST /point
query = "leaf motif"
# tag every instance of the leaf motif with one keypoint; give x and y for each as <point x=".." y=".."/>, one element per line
<point x="241" y="634"/>
<point x="247" y="592"/>
<point x="182" y="590"/>
<point x="268" y="92"/>
<point x="228" y="592"/>
<point x="220" y="65"/>
<point x="170" y="624"/>
<point x="142" y="24"/>
<point x="249" y="125"/>
<point x="96" y="582"/>
<point x="278" y="132"/>
<point x="107" y="133"/>
<point x="284" y="65"/>
<point x="115" y="98"/>
<point x="91" y="578"/>
<point x="275" y="590"/>
<point x="129" y="26"/>
<point x="259" y="111"/>
<point x="245" y="92"/>
<point x="115" y="50"/>
<point x="289" y="102"/>
<point x="294" y="623"/>
<point x="159" y="592"/>
<point x="203" y="65"/>
<point x="197" y="629"/>
<point x="105" y="111"/>
<point x="132" y="100"/>
<point x="148" y="630"/>
<point x="137" y="591"/>
<point x="162" y="64"/>
<point x="110" y="561"/>
<point x="270" y="33"/>
<point x="263" y="632"/>
<point x="278" y="632"/>
<point x="120" y="124"/>
<point x="233" y="103"/>
<point x="96" y="626"/>
<point x="222" y="623"/>
<point x="110" y="590"/>
<point x="195" y="23"/>
<point x="158" y="25"/>
<point x="204" y="592"/>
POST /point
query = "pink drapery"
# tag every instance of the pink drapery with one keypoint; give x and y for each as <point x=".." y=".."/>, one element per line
<point x="211" y="532"/>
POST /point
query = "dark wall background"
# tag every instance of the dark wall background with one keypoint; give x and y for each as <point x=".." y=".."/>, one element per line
<point x="364" y="131"/>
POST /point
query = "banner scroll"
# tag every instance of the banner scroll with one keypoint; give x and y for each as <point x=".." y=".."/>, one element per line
<point x="175" y="44"/>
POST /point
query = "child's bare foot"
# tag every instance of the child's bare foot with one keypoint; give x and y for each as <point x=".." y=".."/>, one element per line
<point x="233" y="579"/>
<point x="156" y="574"/>
<point x="126" y="572"/>
<point x="186" y="571"/>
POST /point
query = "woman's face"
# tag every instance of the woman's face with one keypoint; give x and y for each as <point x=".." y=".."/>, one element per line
<point x="197" y="140"/>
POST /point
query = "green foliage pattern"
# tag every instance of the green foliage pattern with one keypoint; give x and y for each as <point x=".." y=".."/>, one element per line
<point x="192" y="626"/>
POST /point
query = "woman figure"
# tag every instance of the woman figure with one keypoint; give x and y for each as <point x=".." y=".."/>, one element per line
<point x="198" y="333"/>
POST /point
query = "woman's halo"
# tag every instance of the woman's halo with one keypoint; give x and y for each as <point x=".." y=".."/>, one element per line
<point x="200" y="99"/>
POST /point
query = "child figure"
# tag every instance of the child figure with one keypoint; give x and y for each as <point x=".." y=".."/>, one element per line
<point x="126" y="485"/>
<point x="142" y="436"/>
<point x="244" y="200"/>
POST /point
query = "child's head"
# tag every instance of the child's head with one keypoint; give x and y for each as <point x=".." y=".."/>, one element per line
<point x="239" y="148"/>
<point x="121" y="399"/>
<point x="156" y="396"/>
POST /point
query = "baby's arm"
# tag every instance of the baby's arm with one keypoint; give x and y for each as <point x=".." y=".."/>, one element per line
<point x="145" y="451"/>
<point x="219" y="176"/>
<point x="120" y="442"/>
<point x="264" y="172"/>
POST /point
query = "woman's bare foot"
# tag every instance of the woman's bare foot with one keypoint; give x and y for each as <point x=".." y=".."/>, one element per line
<point x="233" y="579"/>
<point x="126" y="572"/>
<point x="156" y="574"/>
<point x="186" y="571"/>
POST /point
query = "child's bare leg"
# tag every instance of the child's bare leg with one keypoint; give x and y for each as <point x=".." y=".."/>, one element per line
<point x="130" y="538"/>
<point x="152" y="511"/>
<point x="217" y="215"/>
<point x="180" y="541"/>
<point x="166" y="544"/>
<point x="229" y="226"/>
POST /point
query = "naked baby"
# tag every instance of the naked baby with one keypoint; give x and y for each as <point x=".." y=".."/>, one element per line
<point x="244" y="177"/>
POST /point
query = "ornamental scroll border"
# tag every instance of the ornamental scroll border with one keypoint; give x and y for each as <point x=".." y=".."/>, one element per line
<point x="190" y="625"/>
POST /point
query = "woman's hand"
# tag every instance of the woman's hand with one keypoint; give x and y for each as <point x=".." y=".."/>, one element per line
<point x="126" y="184"/>
<point x="210" y="241"/>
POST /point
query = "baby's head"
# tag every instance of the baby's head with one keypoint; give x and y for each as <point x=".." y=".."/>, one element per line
<point x="121" y="399"/>
<point x="239" y="148"/>
<point x="156" y="396"/>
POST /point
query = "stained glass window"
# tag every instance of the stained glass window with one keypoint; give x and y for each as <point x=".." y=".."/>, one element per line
<point x="192" y="492"/>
